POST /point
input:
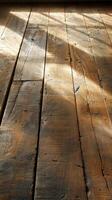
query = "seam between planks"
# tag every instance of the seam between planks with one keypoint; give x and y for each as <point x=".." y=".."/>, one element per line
<point x="40" y="117"/>
<point x="82" y="157"/>
<point x="98" y="148"/>
<point x="103" y="96"/>
<point x="98" y="71"/>
<point x="12" y="75"/>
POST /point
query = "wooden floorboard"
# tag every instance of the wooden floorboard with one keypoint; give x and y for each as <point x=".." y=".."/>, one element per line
<point x="55" y="102"/>
<point x="101" y="45"/>
<point x="59" y="167"/>
<point x="11" y="37"/>
<point x="20" y="123"/>
<point x="18" y="141"/>
<point x="30" y="65"/>
<point x="90" y="102"/>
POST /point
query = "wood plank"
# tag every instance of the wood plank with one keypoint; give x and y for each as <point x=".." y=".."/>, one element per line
<point x="90" y="103"/>
<point x="105" y="14"/>
<point x="59" y="167"/>
<point x="39" y="16"/>
<point x="20" y="124"/>
<point x="9" y="47"/>
<point x="102" y="53"/>
<point x="4" y="16"/>
<point x="107" y="80"/>
<point x="18" y="141"/>
<point x="30" y="64"/>
<point x="105" y="72"/>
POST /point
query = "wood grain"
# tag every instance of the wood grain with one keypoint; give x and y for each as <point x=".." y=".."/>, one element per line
<point x="90" y="103"/>
<point x="18" y="141"/>
<point x="4" y="16"/>
<point x="9" y="48"/>
<point x="102" y="51"/>
<point x="30" y="64"/>
<point x="20" y="124"/>
<point x="60" y="99"/>
<point x="59" y="166"/>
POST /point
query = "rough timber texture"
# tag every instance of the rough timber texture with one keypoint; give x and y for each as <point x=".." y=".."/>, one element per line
<point x="12" y="26"/>
<point x="56" y="103"/>
<point x="20" y="123"/>
<point x="90" y="102"/>
<point x="18" y="141"/>
<point x="59" y="169"/>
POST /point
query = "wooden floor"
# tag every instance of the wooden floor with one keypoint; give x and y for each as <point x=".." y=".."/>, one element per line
<point x="55" y="102"/>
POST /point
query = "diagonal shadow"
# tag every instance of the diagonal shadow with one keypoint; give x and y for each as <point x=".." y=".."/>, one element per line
<point x="83" y="57"/>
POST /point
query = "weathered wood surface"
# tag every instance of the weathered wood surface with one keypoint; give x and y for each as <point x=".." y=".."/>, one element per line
<point x="61" y="91"/>
<point x="31" y="59"/>
<point x="4" y="16"/>
<point x="102" y="51"/>
<point x="10" y="42"/>
<point x="92" y="113"/>
<point x="18" y="141"/>
<point x="59" y="166"/>
<point x="20" y="123"/>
